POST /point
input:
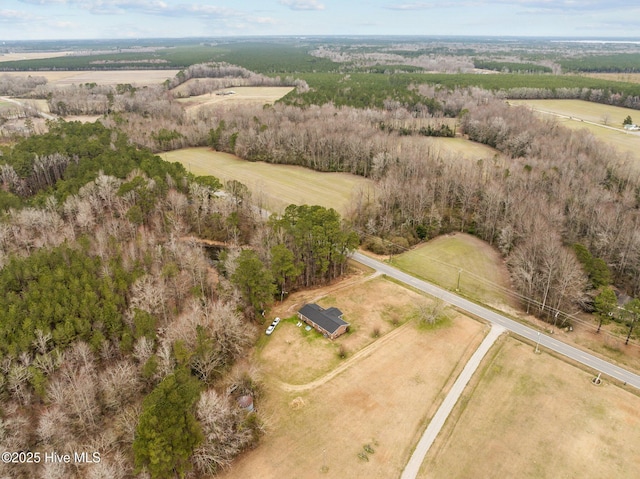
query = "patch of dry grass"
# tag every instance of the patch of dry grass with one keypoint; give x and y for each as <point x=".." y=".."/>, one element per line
<point x="624" y="77"/>
<point x="480" y="268"/>
<point x="382" y="400"/>
<point x="535" y="416"/>
<point x="373" y="306"/>
<point x="12" y="57"/>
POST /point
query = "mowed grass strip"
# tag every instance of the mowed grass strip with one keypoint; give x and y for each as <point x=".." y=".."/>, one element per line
<point x="535" y="416"/>
<point x="383" y="400"/>
<point x="480" y="268"/>
<point x="274" y="186"/>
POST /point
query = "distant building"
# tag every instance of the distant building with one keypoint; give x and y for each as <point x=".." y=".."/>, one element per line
<point x="326" y="321"/>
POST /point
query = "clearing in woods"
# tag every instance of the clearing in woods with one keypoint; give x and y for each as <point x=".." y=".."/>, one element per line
<point x="482" y="272"/>
<point x="274" y="187"/>
<point x="242" y="95"/>
<point x="534" y="416"/>
<point x="364" y="421"/>
<point x="451" y="148"/>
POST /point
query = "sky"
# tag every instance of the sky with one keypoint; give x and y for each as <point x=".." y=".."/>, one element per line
<point x="100" y="19"/>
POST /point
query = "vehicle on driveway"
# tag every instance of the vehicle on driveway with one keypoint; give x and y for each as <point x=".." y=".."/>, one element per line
<point x="272" y="326"/>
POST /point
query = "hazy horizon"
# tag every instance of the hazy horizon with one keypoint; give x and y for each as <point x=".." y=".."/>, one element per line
<point x="22" y="20"/>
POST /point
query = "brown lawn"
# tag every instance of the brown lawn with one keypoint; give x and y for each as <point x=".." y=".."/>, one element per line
<point x="535" y="416"/>
<point x="382" y="400"/>
<point x="105" y="77"/>
<point x="369" y="305"/>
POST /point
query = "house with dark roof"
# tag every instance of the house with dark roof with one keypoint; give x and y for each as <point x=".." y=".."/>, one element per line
<point x="329" y="322"/>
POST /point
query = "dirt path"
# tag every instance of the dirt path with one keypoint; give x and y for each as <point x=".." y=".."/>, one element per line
<point x="438" y="420"/>
<point x="363" y="353"/>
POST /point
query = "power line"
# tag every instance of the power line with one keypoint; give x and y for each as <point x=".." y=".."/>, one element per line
<point x="542" y="307"/>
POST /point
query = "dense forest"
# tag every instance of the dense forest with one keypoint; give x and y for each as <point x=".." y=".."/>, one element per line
<point x="111" y="306"/>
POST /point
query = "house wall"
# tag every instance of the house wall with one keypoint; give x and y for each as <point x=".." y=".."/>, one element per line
<point x="312" y="324"/>
<point x="340" y="331"/>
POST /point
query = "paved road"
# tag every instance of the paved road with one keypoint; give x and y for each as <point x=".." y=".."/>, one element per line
<point x="441" y="415"/>
<point x="599" y="365"/>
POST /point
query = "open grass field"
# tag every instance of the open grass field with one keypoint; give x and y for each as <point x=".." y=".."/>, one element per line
<point x="535" y="416"/>
<point x="483" y="274"/>
<point x="5" y="105"/>
<point x="243" y="95"/>
<point x="461" y="148"/>
<point x="11" y="57"/>
<point x="582" y="110"/>
<point x="584" y="114"/>
<point x="107" y="77"/>
<point x="275" y="186"/>
<point x="381" y="399"/>
<point x="626" y="143"/>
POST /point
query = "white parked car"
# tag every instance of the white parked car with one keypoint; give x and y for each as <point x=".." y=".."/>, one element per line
<point x="272" y="326"/>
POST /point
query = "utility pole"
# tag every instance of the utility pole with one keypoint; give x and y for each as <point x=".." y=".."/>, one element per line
<point x="458" y="287"/>
<point x="630" y="329"/>
<point x="537" y="350"/>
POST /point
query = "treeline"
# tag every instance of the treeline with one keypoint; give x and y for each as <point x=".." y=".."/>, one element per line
<point x="306" y="246"/>
<point x="510" y="67"/>
<point x="17" y="86"/>
<point x="604" y="63"/>
<point x="362" y="90"/>
<point x="228" y="72"/>
<point x="49" y="164"/>
<point x="555" y="188"/>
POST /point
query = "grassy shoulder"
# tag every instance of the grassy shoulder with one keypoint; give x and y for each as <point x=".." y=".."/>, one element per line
<point x="528" y="415"/>
<point x="460" y="262"/>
